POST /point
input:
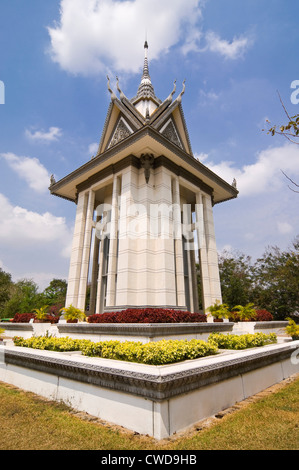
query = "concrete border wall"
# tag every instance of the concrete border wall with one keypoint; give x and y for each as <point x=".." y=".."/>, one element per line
<point x="153" y="400"/>
<point x="144" y="332"/>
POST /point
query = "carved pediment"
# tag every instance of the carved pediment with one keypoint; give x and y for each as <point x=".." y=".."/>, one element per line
<point x="169" y="131"/>
<point x="121" y="131"/>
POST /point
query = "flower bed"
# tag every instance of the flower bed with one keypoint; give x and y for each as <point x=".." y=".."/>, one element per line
<point x="26" y="317"/>
<point x="148" y="315"/>
<point x="154" y="353"/>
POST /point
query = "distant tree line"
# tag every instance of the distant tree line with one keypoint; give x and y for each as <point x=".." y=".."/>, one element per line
<point x="24" y="296"/>
<point x="271" y="282"/>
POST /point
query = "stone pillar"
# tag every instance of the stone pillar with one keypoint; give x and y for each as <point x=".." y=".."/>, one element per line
<point x="94" y="276"/>
<point x="86" y="251"/>
<point x="99" y="298"/>
<point x="112" y="268"/>
<point x="178" y="246"/>
<point x="202" y="252"/>
<point x="77" y="251"/>
<point x="212" y="255"/>
<point x="194" y="280"/>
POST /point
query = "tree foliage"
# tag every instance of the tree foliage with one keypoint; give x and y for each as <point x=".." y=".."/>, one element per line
<point x="277" y="281"/>
<point x="271" y="282"/>
<point x="5" y="288"/>
<point x="290" y="131"/>
<point x="236" y="278"/>
<point x="24" y="297"/>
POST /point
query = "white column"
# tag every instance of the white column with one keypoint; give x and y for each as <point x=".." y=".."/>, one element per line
<point x="99" y="299"/>
<point x="212" y="253"/>
<point x="194" y="279"/>
<point x="112" y="267"/>
<point x="86" y="251"/>
<point x="94" y="277"/>
<point x="178" y="246"/>
<point x="77" y="251"/>
<point x="202" y="251"/>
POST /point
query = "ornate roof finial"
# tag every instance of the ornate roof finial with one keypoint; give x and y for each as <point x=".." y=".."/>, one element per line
<point x="113" y="95"/>
<point x="146" y="89"/>
<point x="179" y="98"/>
<point x="121" y="93"/>
<point x="169" y="99"/>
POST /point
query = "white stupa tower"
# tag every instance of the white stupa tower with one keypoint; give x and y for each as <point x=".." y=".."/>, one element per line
<point x="144" y="231"/>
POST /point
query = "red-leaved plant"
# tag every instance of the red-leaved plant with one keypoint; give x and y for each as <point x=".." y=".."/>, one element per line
<point x="147" y="315"/>
<point x="263" y="315"/>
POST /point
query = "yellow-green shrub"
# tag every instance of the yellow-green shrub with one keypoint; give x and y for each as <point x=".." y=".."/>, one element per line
<point x="231" y="341"/>
<point x="156" y="353"/>
<point x="50" y="343"/>
<point x="292" y="329"/>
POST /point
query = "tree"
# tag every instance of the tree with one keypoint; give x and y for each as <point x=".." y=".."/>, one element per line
<point x="24" y="298"/>
<point x="55" y="293"/>
<point x="236" y="278"/>
<point x="290" y="131"/>
<point x="6" y="285"/>
<point x="277" y="281"/>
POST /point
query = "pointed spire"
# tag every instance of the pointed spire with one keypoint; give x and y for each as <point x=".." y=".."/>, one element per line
<point x="146" y="89"/>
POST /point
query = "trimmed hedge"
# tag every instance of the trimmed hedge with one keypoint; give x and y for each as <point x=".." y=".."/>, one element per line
<point x="231" y="341"/>
<point x="26" y="317"/>
<point x="155" y="353"/>
<point x="148" y="315"/>
<point x="50" y="343"/>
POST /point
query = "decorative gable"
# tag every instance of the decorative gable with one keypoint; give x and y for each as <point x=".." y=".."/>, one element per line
<point x="121" y="131"/>
<point x="169" y="131"/>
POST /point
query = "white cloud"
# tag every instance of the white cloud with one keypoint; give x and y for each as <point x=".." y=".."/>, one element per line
<point x="284" y="228"/>
<point x="230" y="50"/>
<point x="29" y="169"/>
<point x="264" y="175"/>
<point x="20" y="227"/>
<point x="94" y="36"/>
<point x="93" y="148"/>
<point x="53" y="134"/>
<point x="208" y="97"/>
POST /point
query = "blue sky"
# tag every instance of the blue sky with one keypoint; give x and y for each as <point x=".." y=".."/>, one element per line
<point x="54" y="58"/>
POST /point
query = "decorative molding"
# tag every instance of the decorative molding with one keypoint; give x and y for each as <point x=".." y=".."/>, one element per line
<point x="158" y="386"/>
<point x="150" y="330"/>
<point x="140" y="134"/>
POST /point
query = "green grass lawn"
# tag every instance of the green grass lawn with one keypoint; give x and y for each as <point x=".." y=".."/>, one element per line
<point x="28" y="422"/>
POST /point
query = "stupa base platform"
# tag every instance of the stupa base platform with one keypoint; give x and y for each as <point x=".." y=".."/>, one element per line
<point x="154" y="400"/>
